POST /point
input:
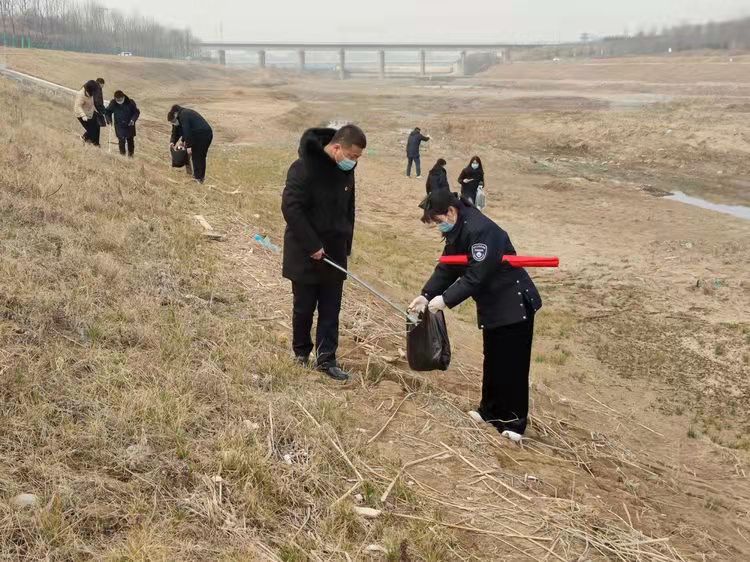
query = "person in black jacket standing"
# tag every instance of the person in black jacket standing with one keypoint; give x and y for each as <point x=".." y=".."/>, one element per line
<point x="506" y="300"/>
<point x="471" y="179"/>
<point x="437" y="179"/>
<point x="416" y="138"/>
<point x="123" y="113"/>
<point x="318" y="206"/>
<point x="97" y="92"/>
<point x="196" y="134"/>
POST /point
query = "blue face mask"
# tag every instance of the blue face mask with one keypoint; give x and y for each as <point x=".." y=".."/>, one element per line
<point x="445" y="227"/>
<point x="346" y="164"/>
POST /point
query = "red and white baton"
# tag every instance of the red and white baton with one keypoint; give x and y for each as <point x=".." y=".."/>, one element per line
<point x="513" y="261"/>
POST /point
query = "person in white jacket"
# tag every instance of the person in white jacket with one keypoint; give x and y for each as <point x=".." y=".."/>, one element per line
<point x="84" y="109"/>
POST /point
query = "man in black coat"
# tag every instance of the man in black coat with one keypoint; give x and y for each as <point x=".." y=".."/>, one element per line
<point x="196" y="135"/>
<point x="123" y="113"/>
<point x="416" y="138"/>
<point x="506" y="298"/>
<point x="94" y="87"/>
<point x="318" y="206"/>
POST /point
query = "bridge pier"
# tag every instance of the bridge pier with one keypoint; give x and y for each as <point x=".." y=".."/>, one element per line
<point x="222" y="57"/>
<point x="422" y="63"/>
<point x="301" y="60"/>
<point x="507" y="57"/>
<point x="462" y="64"/>
<point x="262" y="59"/>
<point x="342" y="64"/>
<point x="381" y="64"/>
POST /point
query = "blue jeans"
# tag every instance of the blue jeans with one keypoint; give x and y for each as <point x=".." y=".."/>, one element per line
<point x="418" y="164"/>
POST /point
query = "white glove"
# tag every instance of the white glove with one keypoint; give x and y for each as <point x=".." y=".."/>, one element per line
<point x="418" y="304"/>
<point x="437" y="304"/>
<point x="84" y="118"/>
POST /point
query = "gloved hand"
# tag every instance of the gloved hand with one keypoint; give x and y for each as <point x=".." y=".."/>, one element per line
<point x="84" y="118"/>
<point x="418" y="304"/>
<point x="437" y="304"/>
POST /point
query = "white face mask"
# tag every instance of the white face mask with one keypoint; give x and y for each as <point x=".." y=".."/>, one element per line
<point x="475" y="165"/>
<point x="120" y="102"/>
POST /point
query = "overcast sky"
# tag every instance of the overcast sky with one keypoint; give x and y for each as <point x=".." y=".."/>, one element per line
<point x="427" y="20"/>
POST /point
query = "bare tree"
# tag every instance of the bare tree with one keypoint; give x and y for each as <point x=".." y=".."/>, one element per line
<point x="88" y="26"/>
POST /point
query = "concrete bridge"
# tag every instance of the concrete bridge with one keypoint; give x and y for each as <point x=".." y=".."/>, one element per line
<point x="381" y="48"/>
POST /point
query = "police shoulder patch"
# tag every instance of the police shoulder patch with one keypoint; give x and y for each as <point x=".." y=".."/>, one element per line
<point x="479" y="252"/>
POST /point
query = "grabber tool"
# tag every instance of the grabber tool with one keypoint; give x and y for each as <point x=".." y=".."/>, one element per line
<point x="411" y="318"/>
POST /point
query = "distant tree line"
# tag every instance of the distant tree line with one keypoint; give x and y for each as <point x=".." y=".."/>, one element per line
<point x="731" y="35"/>
<point x="73" y="25"/>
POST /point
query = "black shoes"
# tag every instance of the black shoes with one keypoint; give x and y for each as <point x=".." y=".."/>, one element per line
<point x="335" y="373"/>
<point x="332" y="371"/>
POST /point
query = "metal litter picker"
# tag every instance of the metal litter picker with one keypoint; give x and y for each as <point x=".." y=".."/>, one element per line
<point x="411" y="318"/>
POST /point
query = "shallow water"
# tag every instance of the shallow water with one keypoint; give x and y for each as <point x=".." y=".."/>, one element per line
<point x="735" y="210"/>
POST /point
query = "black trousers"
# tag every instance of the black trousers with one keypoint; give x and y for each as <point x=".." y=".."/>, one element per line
<point x="200" y="145"/>
<point x="130" y="143"/>
<point x="469" y="192"/>
<point x="93" y="130"/>
<point x="327" y="299"/>
<point x="505" y="386"/>
<point x="415" y="161"/>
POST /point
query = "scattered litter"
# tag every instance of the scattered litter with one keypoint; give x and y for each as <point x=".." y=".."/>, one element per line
<point x="368" y="512"/>
<point x="209" y="232"/>
<point x="25" y="500"/>
<point x="265" y="241"/>
<point x="359" y="498"/>
<point x="373" y="548"/>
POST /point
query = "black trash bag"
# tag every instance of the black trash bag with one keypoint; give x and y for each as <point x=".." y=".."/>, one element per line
<point x="179" y="157"/>
<point x="427" y="345"/>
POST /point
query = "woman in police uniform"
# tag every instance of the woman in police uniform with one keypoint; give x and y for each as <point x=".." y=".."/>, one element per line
<point x="506" y="300"/>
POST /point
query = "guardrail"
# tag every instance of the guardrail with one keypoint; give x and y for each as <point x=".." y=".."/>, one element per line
<point x="29" y="80"/>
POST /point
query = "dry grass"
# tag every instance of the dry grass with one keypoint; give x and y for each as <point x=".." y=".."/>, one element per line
<point x="149" y="414"/>
<point x="149" y="400"/>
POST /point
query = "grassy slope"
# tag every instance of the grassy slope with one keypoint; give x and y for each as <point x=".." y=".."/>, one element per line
<point x="138" y="364"/>
<point x="127" y="384"/>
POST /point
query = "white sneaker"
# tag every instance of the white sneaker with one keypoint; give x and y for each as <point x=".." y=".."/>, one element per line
<point x="513" y="436"/>
<point x="419" y="177"/>
<point x="476" y="416"/>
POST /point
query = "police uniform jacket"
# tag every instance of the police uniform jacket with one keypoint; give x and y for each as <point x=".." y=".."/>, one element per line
<point x="504" y="295"/>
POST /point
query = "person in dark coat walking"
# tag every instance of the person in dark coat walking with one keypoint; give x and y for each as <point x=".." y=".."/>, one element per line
<point x="190" y="128"/>
<point x="416" y="138"/>
<point x="123" y="113"/>
<point x="437" y="178"/>
<point x="506" y="299"/>
<point x="318" y="206"/>
<point x="471" y="179"/>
